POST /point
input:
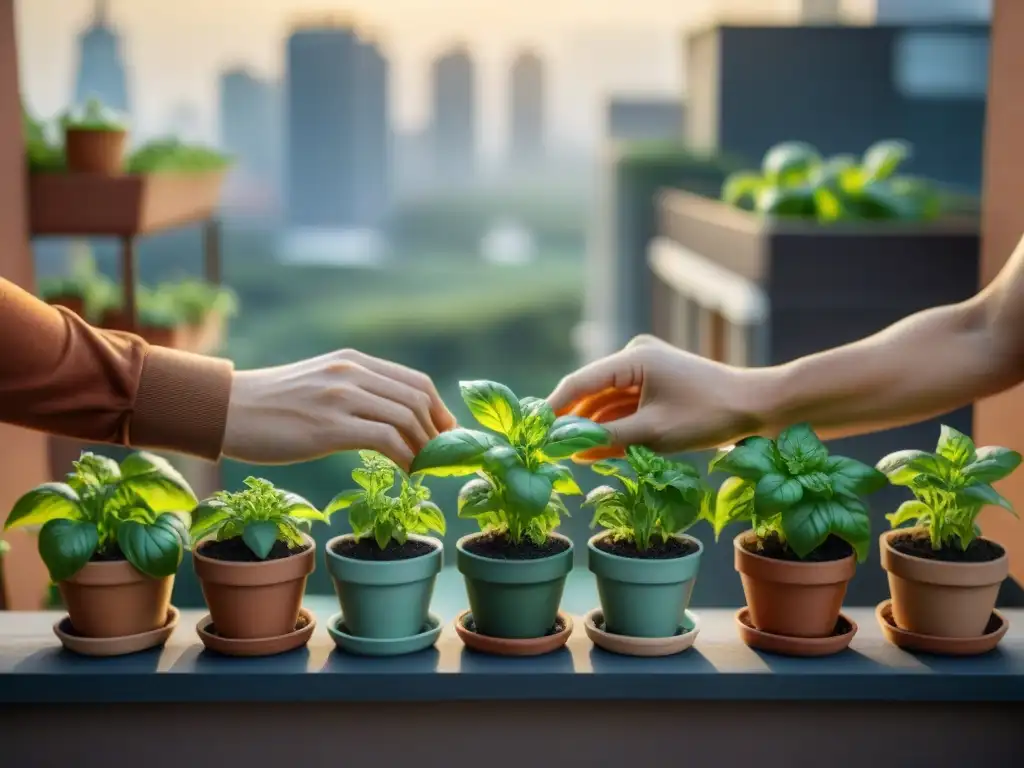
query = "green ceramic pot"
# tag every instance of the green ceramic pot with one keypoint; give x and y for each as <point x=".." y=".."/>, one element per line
<point x="385" y="600"/>
<point x="644" y="598"/>
<point x="514" y="599"/>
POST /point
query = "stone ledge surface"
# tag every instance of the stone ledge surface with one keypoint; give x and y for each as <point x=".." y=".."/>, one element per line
<point x="35" y="669"/>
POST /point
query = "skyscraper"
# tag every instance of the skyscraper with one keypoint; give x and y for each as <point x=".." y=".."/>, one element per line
<point x="526" y="109"/>
<point x="337" y="126"/>
<point x="101" y="70"/>
<point x="250" y="123"/>
<point x="453" y="121"/>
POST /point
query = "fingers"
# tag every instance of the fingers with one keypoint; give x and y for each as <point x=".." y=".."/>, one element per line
<point x="382" y="438"/>
<point x="371" y="407"/>
<point x="616" y="371"/>
<point x="415" y="400"/>
<point x="441" y="416"/>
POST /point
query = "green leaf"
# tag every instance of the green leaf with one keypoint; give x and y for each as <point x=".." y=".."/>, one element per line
<point x="686" y="488"/>
<point x="49" y="501"/>
<point x="986" y="494"/>
<point x="344" y="500"/>
<point x="734" y="502"/>
<point x="955" y="446"/>
<point x="259" y="536"/>
<point x="816" y="482"/>
<point x="537" y="420"/>
<point x="382" y="531"/>
<point x="155" y="549"/>
<point x="676" y="517"/>
<point x="66" y="546"/>
<point x="298" y="508"/>
<point x="500" y="459"/>
<point x="903" y="467"/>
<point x="909" y="511"/>
<point x="774" y="493"/>
<point x="478" y="498"/>
<point x="807" y="525"/>
<point x="992" y="464"/>
<point x="853" y="478"/>
<point x="801" y="449"/>
<point x="492" y="404"/>
<point x="360" y="518"/>
<point x="455" y="453"/>
<point x="431" y="517"/>
<point x="741" y="189"/>
<point x="157" y="482"/>
<point x="526" y="491"/>
<point x="561" y="479"/>
<point x="570" y="438"/>
<point x="614" y="468"/>
<point x="747" y="461"/>
<point x="208" y="517"/>
<point x="883" y="158"/>
<point x="790" y="162"/>
<point x="604" y="494"/>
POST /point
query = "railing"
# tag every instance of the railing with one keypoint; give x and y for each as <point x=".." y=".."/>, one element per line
<point x="701" y="307"/>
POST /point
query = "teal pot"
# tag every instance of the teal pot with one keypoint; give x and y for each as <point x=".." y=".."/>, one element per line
<point x="640" y="597"/>
<point x="385" y="599"/>
<point x="514" y="599"/>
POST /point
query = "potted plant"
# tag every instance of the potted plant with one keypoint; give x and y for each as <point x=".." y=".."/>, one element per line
<point x="944" y="576"/>
<point x="94" y="139"/>
<point x="253" y="554"/>
<point x="112" y="540"/>
<point x="160" y="318"/>
<point x="85" y="291"/>
<point x="203" y="307"/>
<point x="515" y="568"/>
<point x="171" y="155"/>
<point x="384" y="571"/>
<point x="810" y="526"/>
<point x="645" y="564"/>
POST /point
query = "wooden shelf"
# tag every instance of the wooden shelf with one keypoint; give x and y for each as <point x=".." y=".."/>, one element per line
<point x="79" y="204"/>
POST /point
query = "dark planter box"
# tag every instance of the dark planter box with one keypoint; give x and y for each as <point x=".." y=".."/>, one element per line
<point x="827" y="286"/>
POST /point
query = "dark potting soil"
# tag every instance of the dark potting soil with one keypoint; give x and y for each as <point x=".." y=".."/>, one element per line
<point x="920" y="545"/>
<point x="109" y="554"/>
<point x="300" y="623"/>
<point x="659" y="550"/>
<point x="368" y="549"/>
<point x="834" y="548"/>
<point x="500" y="547"/>
<point x="237" y="551"/>
<point x="469" y="624"/>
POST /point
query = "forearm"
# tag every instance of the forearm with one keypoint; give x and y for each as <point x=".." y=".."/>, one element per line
<point x="927" y="364"/>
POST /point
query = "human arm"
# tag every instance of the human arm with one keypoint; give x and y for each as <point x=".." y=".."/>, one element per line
<point x="60" y="375"/>
<point x="929" y="363"/>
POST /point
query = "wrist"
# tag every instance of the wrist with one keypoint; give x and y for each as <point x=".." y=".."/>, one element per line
<point x="758" y="398"/>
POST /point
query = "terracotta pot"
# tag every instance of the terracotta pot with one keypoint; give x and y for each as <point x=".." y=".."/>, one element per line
<point x="118" y="320"/>
<point x="75" y="304"/>
<point x="249" y="601"/>
<point x="95" y="151"/>
<point x="115" y="600"/>
<point x="941" y="599"/>
<point x="789" y="598"/>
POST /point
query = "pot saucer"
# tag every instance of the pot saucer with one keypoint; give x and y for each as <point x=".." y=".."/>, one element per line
<point x="624" y="645"/>
<point x="115" y="646"/>
<point x="502" y="646"/>
<point x="838" y="641"/>
<point x="941" y="646"/>
<point x="372" y="646"/>
<point x="262" y="646"/>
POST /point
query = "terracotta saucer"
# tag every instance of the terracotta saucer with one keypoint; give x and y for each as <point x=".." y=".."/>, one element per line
<point x="593" y="623"/>
<point x="264" y="646"/>
<point x="115" y="646"/>
<point x="500" y="646"/>
<point x="372" y="646"/>
<point x="941" y="646"/>
<point x="840" y="640"/>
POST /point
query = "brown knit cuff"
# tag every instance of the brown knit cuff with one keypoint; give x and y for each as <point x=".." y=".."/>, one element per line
<point x="182" y="403"/>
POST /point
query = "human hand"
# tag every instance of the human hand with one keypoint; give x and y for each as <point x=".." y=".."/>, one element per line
<point x="651" y="393"/>
<point x="336" y="402"/>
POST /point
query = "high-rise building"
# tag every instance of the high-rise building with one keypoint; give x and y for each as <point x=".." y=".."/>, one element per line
<point x="250" y="123"/>
<point x="453" y="117"/>
<point x="526" y="109"/>
<point x="336" y="119"/>
<point x="101" y="69"/>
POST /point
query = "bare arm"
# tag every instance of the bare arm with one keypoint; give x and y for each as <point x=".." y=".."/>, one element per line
<point x="927" y="364"/>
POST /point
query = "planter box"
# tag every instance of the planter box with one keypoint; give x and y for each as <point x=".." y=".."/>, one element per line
<point x="88" y="204"/>
<point x="822" y="287"/>
<point x="204" y="338"/>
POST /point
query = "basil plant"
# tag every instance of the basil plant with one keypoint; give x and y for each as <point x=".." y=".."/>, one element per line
<point x="950" y="486"/>
<point x="373" y="510"/>
<point x="104" y="509"/>
<point x="519" y="478"/>
<point x="791" y="487"/>
<point x="656" y="499"/>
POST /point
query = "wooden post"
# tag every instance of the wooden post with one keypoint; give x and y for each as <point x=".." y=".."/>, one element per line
<point x="128" y="281"/>
<point x="211" y="251"/>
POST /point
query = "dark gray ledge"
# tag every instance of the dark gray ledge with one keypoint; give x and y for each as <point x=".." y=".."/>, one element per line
<point x="34" y="668"/>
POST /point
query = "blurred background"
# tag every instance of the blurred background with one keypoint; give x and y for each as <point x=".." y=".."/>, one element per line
<point x="477" y="190"/>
